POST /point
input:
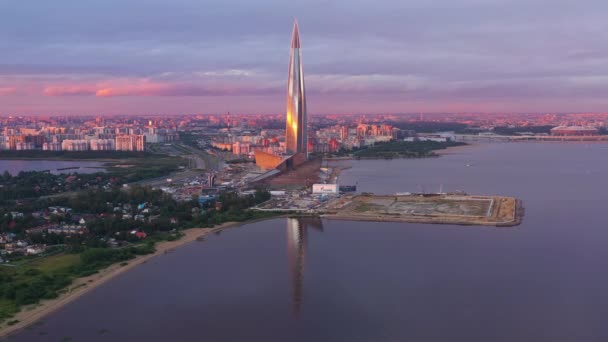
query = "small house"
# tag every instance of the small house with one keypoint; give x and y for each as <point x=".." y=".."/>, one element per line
<point x="35" y="249"/>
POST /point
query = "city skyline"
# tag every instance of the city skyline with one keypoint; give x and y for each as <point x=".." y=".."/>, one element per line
<point x="392" y="57"/>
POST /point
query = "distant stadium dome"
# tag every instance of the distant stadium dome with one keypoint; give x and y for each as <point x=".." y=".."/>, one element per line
<point x="573" y="131"/>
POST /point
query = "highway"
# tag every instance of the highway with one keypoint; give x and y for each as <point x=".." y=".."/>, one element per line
<point x="199" y="162"/>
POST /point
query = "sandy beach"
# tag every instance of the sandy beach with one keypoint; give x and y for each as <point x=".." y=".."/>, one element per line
<point x="81" y="286"/>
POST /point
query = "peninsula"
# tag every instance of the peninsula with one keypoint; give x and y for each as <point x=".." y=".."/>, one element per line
<point x="459" y="209"/>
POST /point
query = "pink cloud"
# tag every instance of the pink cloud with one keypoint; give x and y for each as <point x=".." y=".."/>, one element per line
<point x="71" y="90"/>
<point x="5" y="91"/>
<point x="136" y="89"/>
<point x="108" y="89"/>
<point x="144" y="87"/>
<point x="151" y="88"/>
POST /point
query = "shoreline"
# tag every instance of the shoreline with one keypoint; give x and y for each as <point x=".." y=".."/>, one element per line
<point x="435" y="154"/>
<point x="421" y="219"/>
<point x="455" y="149"/>
<point x="84" y="285"/>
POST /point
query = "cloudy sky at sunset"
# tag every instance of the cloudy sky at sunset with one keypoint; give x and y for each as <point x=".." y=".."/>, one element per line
<point x="213" y="56"/>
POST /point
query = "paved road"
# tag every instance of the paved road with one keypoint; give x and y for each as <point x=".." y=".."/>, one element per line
<point x="196" y="167"/>
<point x="199" y="162"/>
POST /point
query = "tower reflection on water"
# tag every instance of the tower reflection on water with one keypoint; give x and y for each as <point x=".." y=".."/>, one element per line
<point x="297" y="229"/>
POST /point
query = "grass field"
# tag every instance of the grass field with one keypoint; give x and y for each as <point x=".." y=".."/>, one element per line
<point x="33" y="271"/>
<point x="7" y="309"/>
<point x="135" y="169"/>
<point x="39" y="278"/>
<point x="55" y="263"/>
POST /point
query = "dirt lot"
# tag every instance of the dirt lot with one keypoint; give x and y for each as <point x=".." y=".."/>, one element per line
<point x="304" y="175"/>
<point x="449" y="209"/>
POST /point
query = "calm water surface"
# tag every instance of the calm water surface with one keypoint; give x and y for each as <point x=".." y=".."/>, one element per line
<point x="16" y="166"/>
<point x="290" y="280"/>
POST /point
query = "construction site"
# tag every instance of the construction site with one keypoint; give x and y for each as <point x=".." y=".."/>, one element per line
<point x="427" y="208"/>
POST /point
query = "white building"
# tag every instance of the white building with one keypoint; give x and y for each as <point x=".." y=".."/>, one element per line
<point x="325" y="189"/>
<point x="102" y="145"/>
<point x="35" y="249"/>
<point x="51" y="146"/>
<point x="75" y="145"/>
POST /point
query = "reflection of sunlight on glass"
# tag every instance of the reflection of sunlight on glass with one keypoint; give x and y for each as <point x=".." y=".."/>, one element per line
<point x="297" y="229"/>
<point x="296" y="135"/>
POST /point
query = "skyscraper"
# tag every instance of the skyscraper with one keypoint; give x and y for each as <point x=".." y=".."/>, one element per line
<point x="296" y="135"/>
<point x="296" y="132"/>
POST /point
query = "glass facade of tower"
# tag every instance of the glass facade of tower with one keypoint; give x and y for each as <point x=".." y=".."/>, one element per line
<point x="296" y="135"/>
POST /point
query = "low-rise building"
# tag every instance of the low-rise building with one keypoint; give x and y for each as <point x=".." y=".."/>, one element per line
<point x="35" y="249"/>
<point x="16" y="214"/>
<point x="67" y="229"/>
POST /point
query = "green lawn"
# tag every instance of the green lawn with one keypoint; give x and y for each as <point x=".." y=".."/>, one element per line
<point x="47" y="277"/>
<point x="7" y="309"/>
<point x="55" y="262"/>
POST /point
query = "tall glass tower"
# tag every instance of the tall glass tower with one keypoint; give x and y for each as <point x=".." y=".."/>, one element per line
<point x="296" y="135"/>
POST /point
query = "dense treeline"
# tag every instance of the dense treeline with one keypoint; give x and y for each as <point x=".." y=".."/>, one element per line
<point x="233" y="209"/>
<point x="190" y="138"/>
<point x="32" y="184"/>
<point x="404" y="149"/>
<point x="164" y="213"/>
<point x="151" y="166"/>
<point x="430" y="127"/>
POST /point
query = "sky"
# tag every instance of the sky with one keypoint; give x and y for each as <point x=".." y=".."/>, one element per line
<point x="99" y="57"/>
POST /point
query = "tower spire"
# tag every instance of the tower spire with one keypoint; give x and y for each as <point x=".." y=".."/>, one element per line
<point x="296" y="135"/>
<point x="295" y="37"/>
